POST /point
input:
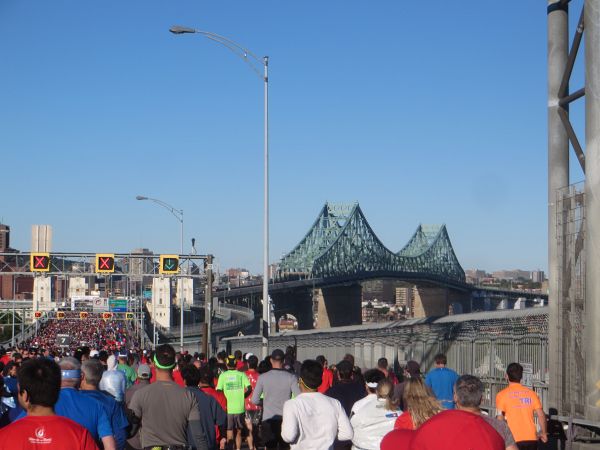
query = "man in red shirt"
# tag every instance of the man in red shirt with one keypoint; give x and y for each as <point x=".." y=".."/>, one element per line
<point x="39" y="387"/>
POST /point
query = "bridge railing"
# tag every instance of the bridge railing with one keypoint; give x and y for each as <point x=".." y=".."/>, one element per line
<point x="482" y="344"/>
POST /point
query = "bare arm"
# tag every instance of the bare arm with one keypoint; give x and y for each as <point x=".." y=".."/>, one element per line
<point x="109" y="443"/>
<point x="543" y="424"/>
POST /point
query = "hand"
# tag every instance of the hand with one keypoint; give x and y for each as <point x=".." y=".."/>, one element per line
<point x="544" y="437"/>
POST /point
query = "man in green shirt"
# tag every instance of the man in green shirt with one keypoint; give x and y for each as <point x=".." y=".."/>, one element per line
<point x="236" y="387"/>
<point x="130" y="375"/>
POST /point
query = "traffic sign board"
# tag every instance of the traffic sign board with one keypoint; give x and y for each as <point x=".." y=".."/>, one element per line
<point x="129" y="316"/>
<point x="117" y="304"/>
<point x="169" y="264"/>
<point x="107" y="315"/>
<point x="83" y="315"/>
<point x="60" y="315"/>
<point x="37" y="314"/>
<point x="105" y="262"/>
<point x="39" y="262"/>
<point x="63" y="340"/>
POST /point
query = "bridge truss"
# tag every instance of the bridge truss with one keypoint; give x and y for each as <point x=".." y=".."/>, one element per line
<point x="342" y="244"/>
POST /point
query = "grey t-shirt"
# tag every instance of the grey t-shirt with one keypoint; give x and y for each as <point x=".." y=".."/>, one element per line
<point x="277" y="385"/>
<point x="165" y="410"/>
<point x="502" y="428"/>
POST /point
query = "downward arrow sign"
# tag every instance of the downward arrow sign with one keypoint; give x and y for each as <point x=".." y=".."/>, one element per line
<point x="169" y="264"/>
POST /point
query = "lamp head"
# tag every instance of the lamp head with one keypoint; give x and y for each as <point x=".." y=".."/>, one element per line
<point x="141" y="197"/>
<point x="181" y="30"/>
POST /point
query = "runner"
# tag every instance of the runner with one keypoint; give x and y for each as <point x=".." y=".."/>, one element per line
<point x="236" y="387"/>
<point x="39" y="388"/>
<point x="166" y="410"/>
<point x="517" y="404"/>
<point x="253" y="412"/>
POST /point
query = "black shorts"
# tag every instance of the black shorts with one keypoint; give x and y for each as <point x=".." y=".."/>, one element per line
<point x="235" y="421"/>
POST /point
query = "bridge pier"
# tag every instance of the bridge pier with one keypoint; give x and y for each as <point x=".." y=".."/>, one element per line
<point x="437" y="301"/>
<point x="297" y="303"/>
<point x="339" y="306"/>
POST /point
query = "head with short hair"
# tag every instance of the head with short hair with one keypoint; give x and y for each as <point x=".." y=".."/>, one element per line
<point x="92" y="370"/>
<point x="39" y="383"/>
<point x="206" y="376"/>
<point x="514" y="371"/>
<point x="350" y="358"/>
<point x="164" y="357"/>
<point x="321" y="360"/>
<point x="253" y="362"/>
<point x="468" y="391"/>
<point x="311" y="374"/>
<point x="238" y="355"/>
<point x="191" y="375"/>
<point x="382" y="363"/>
<point x="345" y="370"/>
<point x="440" y="359"/>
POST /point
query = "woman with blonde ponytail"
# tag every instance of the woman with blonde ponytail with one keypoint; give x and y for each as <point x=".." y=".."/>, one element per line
<point x="419" y="403"/>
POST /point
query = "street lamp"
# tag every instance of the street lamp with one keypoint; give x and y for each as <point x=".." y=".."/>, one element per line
<point x="255" y="63"/>
<point x="178" y="213"/>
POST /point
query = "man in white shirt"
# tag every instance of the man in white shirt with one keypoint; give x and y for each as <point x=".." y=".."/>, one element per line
<point x="313" y="420"/>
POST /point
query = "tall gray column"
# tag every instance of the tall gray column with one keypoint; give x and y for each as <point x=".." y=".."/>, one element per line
<point x="592" y="207"/>
<point x="558" y="177"/>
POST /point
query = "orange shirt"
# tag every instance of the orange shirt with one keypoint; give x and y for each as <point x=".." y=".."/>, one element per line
<point x="518" y="404"/>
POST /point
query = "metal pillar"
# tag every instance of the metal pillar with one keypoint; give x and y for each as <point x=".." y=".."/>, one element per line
<point x="207" y="341"/>
<point x="558" y="176"/>
<point x="592" y="199"/>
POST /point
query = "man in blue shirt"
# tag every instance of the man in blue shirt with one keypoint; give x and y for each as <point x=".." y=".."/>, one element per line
<point x="91" y="373"/>
<point x="441" y="381"/>
<point x="81" y="408"/>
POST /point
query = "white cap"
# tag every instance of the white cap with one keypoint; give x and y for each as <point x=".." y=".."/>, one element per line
<point x="248" y="355"/>
<point x="94" y="353"/>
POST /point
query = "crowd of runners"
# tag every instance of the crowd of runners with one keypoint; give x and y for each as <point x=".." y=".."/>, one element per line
<point x="106" y="394"/>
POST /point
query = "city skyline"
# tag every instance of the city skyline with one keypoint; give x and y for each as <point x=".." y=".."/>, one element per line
<point x="97" y="111"/>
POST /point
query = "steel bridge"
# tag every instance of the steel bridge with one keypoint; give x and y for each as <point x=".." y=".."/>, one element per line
<point x="340" y="250"/>
<point x="341" y="244"/>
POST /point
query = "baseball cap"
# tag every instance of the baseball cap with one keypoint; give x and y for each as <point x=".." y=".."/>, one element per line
<point x="94" y="353"/>
<point x="456" y="430"/>
<point x="277" y="354"/>
<point x="144" y="371"/>
<point x="230" y="361"/>
<point x="248" y="355"/>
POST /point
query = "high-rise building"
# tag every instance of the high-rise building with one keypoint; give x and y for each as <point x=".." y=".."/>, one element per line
<point x="405" y="300"/>
<point x="41" y="238"/>
<point x="538" y="276"/>
<point x="4" y="237"/>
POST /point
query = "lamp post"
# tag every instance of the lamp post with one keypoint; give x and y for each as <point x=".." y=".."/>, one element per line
<point x="178" y="213"/>
<point x="255" y="63"/>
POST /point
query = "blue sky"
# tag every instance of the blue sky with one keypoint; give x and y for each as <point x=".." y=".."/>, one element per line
<point x="421" y="112"/>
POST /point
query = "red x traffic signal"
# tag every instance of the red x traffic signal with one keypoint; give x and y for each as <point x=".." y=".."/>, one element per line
<point x="60" y="315"/>
<point x="105" y="263"/>
<point x="107" y="315"/>
<point x="39" y="262"/>
<point x="37" y="314"/>
<point x="83" y="315"/>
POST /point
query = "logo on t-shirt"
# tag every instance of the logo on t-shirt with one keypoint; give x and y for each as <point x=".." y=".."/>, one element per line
<point x="40" y="437"/>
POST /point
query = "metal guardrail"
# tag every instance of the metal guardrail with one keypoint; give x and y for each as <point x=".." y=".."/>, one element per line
<point x="196" y="329"/>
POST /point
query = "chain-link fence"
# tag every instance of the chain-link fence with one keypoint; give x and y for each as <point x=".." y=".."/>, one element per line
<point x="482" y="344"/>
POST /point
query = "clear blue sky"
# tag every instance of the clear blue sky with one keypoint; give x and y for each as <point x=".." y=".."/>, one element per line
<point x="423" y="112"/>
